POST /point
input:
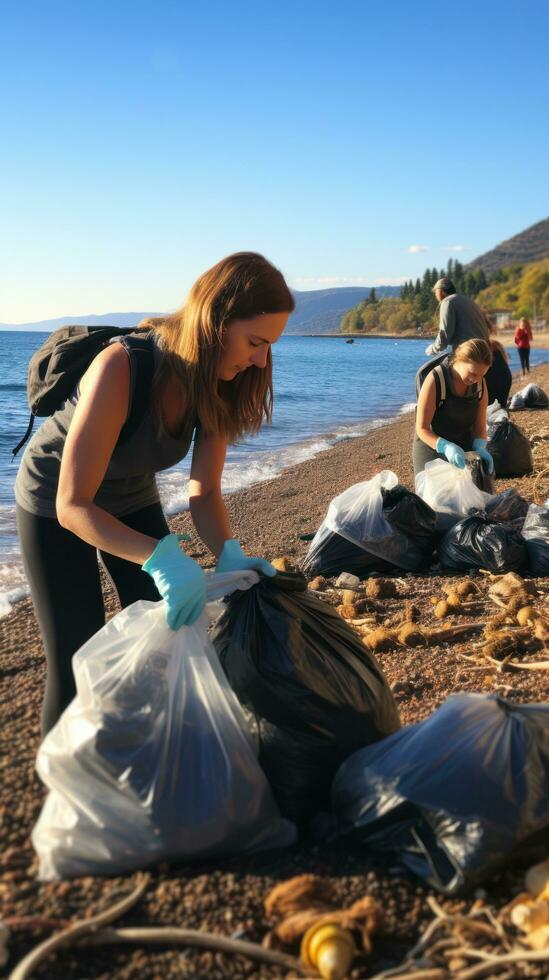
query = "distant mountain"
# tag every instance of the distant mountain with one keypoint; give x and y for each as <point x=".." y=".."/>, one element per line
<point x="320" y="310"/>
<point x="91" y="320"/>
<point x="530" y="245"/>
<point x="317" y="311"/>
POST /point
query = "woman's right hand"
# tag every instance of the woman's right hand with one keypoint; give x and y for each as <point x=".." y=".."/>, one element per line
<point x="180" y="581"/>
<point x="454" y="454"/>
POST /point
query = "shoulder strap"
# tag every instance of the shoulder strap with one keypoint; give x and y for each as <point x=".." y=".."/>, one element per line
<point x="141" y="351"/>
<point x="440" y="385"/>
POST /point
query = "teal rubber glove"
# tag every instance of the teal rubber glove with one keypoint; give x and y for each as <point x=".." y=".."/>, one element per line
<point x="479" y="445"/>
<point x="454" y="454"/>
<point x="180" y="581"/>
<point x="233" y="559"/>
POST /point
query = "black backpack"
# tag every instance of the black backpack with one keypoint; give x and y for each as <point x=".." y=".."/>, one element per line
<point x="57" y="366"/>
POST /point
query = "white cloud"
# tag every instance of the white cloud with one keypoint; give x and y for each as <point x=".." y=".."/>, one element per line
<point x="414" y="249"/>
<point x="457" y="248"/>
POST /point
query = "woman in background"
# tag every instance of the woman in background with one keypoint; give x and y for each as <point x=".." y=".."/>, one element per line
<point x="499" y="378"/>
<point x="523" y="339"/>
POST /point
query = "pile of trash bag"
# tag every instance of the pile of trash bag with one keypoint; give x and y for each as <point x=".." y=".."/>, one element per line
<point x="510" y="449"/>
<point x="535" y="532"/>
<point x="508" y="507"/>
<point x="315" y="692"/>
<point x="377" y="525"/>
<point x="531" y="396"/>
<point x="453" y="797"/>
<point x="480" y="541"/>
<point x="153" y="758"/>
<point x="449" y="491"/>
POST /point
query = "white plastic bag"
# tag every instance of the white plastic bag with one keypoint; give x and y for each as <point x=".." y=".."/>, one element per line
<point x="449" y="490"/>
<point x="357" y="515"/>
<point x="152" y="760"/>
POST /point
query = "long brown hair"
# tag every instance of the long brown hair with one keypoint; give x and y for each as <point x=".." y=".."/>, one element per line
<point x="476" y="350"/>
<point x="239" y="287"/>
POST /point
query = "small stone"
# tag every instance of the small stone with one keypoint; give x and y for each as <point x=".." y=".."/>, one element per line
<point x="348" y="581"/>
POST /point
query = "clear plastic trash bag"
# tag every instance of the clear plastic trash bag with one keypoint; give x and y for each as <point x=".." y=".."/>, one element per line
<point x="357" y="516"/>
<point x="152" y="760"/>
<point x="449" y="490"/>
<point x="453" y="797"/>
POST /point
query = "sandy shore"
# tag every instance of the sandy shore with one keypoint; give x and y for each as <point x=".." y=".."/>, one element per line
<point x="269" y="519"/>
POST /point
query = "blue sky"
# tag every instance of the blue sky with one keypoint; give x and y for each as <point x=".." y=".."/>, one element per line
<point x="143" y="141"/>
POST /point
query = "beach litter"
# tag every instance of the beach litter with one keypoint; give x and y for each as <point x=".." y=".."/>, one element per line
<point x="374" y="526"/>
<point x="531" y="396"/>
<point x="510" y="449"/>
<point x="153" y="717"/>
<point x="313" y="692"/>
<point x="451" y="798"/>
<point x="481" y="542"/>
<point x="308" y="913"/>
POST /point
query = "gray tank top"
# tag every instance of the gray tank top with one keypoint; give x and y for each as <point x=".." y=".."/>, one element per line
<point x="456" y="418"/>
<point x="129" y="483"/>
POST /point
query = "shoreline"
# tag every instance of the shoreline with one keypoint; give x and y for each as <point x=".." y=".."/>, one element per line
<point x="372" y="426"/>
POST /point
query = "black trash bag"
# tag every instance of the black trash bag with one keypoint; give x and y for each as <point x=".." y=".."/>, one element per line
<point x="316" y="693"/>
<point x="536" y="534"/>
<point x="510" y="449"/>
<point x="410" y="515"/>
<point x="480" y="542"/>
<point x="405" y="540"/>
<point x="532" y="396"/>
<point x="480" y="475"/>
<point x="453" y="797"/>
<point x="508" y="507"/>
<point x="334" y="554"/>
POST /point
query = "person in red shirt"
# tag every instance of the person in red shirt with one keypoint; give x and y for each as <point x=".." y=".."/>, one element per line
<point x="523" y="339"/>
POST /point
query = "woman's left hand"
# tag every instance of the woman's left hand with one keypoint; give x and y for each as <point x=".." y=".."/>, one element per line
<point x="479" y="446"/>
<point x="233" y="559"/>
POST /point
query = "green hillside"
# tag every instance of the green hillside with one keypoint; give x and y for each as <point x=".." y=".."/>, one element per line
<point x="522" y="289"/>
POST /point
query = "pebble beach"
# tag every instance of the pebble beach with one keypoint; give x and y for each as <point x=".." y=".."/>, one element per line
<point x="270" y="519"/>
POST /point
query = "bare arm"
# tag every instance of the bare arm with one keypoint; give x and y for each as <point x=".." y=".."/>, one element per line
<point x="98" y="418"/>
<point x="479" y="428"/>
<point x="206" y="503"/>
<point x="426" y="405"/>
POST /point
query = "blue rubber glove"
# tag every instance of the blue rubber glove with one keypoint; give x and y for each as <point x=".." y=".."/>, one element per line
<point x="479" y="445"/>
<point x="180" y="581"/>
<point x="233" y="559"/>
<point x="454" y="454"/>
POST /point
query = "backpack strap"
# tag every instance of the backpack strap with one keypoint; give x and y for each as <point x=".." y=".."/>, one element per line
<point x="440" y="385"/>
<point x="141" y="353"/>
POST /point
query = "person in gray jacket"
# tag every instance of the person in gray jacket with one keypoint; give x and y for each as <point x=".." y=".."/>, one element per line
<point x="460" y="319"/>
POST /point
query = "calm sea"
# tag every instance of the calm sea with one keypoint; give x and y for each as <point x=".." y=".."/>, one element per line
<point x="325" y="391"/>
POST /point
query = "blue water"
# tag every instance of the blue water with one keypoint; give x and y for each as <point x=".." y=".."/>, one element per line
<point x="325" y="391"/>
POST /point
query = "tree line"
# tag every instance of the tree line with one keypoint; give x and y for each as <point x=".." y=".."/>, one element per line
<point x="522" y="289"/>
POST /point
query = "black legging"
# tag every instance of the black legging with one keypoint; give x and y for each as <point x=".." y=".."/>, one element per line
<point x="524" y="354"/>
<point x="63" y="575"/>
